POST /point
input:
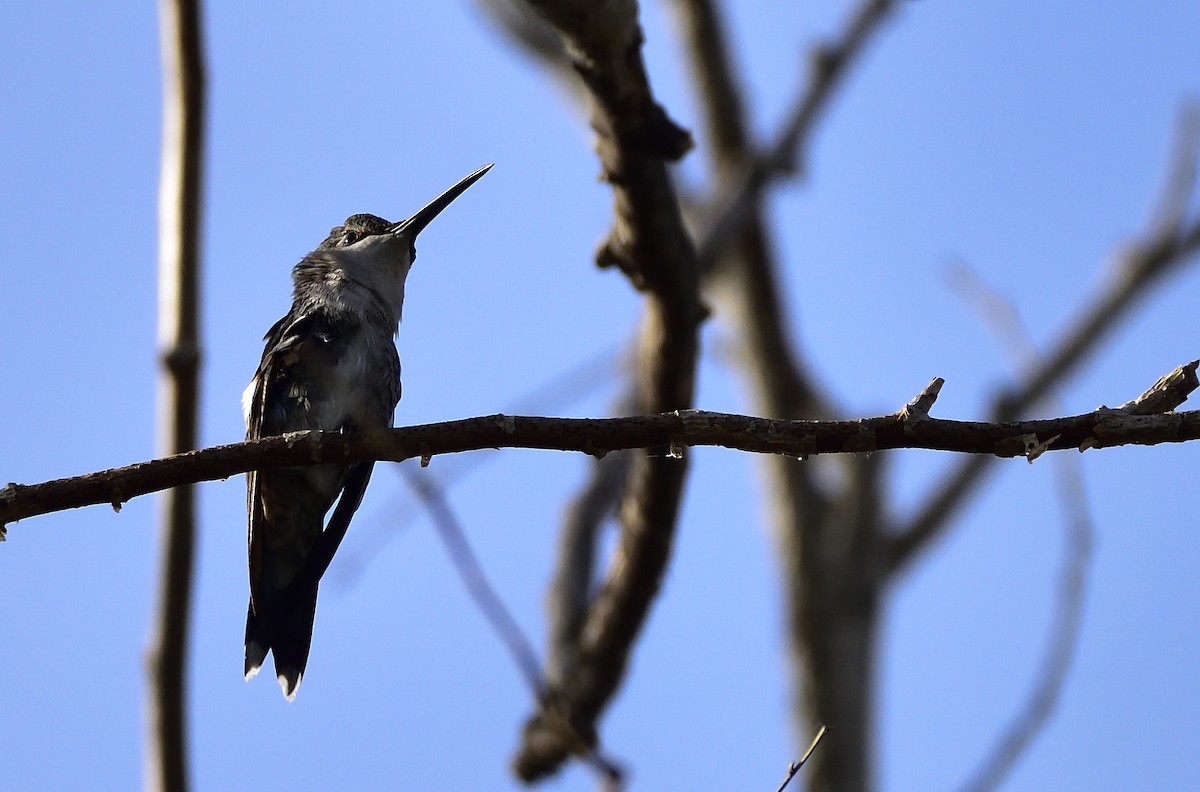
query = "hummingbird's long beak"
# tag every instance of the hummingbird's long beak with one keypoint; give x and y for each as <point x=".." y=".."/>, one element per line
<point x="415" y="224"/>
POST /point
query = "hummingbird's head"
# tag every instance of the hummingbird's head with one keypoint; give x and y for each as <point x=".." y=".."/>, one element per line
<point x="378" y="234"/>
<point x="370" y="252"/>
<point x="355" y="229"/>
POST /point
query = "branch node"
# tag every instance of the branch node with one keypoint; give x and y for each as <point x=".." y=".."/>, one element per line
<point x="1170" y="391"/>
<point x="613" y="253"/>
<point x="663" y="136"/>
<point x="794" y="767"/>
<point x="507" y="424"/>
<point x="917" y="410"/>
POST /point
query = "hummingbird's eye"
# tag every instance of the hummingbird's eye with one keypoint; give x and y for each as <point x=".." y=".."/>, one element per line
<point x="350" y="237"/>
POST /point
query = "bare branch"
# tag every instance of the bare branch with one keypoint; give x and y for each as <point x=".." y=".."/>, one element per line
<point x="1170" y="244"/>
<point x="552" y="395"/>
<point x="1064" y="633"/>
<point x="476" y="582"/>
<point x="1171" y="390"/>
<point x="1171" y="213"/>
<point x="795" y="766"/>
<point x="648" y="243"/>
<point x="831" y="601"/>
<point x="178" y="335"/>
<point x="726" y="139"/>
<point x="829" y="64"/>
<point x="531" y="32"/>
<point x="741" y="275"/>
<point x="596" y="436"/>
<point x="489" y="603"/>
<point x="1064" y="636"/>
<point x="572" y="587"/>
<point x="574" y="583"/>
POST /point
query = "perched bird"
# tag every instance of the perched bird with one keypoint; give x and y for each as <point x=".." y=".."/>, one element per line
<point x="329" y="364"/>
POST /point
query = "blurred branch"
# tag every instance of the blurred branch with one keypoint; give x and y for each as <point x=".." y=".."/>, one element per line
<point x="179" y="344"/>
<point x="533" y="35"/>
<point x="829" y="63"/>
<point x="552" y="395"/>
<point x="1065" y="629"/>
<point x="489" y="603"/>
<point x="473" y="577"/>
<point x="573" y="586"/>
<point x="742" y="274"/>
<point x="1172" y="241"/>
<point x="1001" y="315"/>
<point x="1171" y="213"/>
<point x="676" y="431"/>
<point x="828" y="533"/>
<point x="571" y="589"/>
<point x="635" y="138"/>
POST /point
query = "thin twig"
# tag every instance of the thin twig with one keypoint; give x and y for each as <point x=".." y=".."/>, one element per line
<point x="1171" y="242"/>
<point x="1002" y="317"/>
<point x="1065" y="628"/>
<point x="531" y="33"/>
<point x="741" y="277"/>
<point x="519" y="647"/>
<point x="471" y="573"/>
<point x="1171" y="213"/>
<point x="794" y="767"/>
<point x="829" y="65"/>
<point x="179" y="343"/>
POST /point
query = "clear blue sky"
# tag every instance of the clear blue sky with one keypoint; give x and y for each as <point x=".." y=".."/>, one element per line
<point x="1025" y="138"/>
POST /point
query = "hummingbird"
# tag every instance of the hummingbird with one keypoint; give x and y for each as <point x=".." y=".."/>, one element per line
<point x="329" y="364"/>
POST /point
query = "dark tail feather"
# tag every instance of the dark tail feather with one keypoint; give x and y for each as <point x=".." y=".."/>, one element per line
<point x="293" y="637"/>
<point x="257" y="644"/>
<point x="280" y="617"/>
<point x="289" y="638"/>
